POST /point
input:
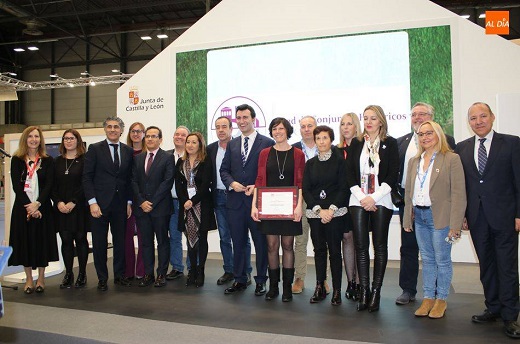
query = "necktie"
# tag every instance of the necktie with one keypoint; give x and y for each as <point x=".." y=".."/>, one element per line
<point x="246" y="149"/>
<point x="482" y="156"/>
<point x="116" y="156"/>
<point x="149" y="164"/>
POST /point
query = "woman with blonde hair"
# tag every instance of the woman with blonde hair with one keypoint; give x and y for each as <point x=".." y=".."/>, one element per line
<point x="134" y="263"/>
<point x="350" y="129"/>
<point x="435" y="199"/>
<point x="32" y="233"/>
<point x="372" y="170"/>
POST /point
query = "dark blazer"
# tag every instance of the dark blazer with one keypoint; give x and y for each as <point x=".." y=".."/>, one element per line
<point x="232" y="169"/>
<point x="402" y="144"/>
<point x="203" y="196"/>
<point x="212" y="150"/>
<point x="388" y="166"/>
<point x="101" y="180"/>
<point x="498" y="189"/>
<point x="154" y="187"/>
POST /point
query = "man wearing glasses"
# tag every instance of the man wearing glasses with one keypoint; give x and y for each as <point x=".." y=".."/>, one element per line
<point x="106" y="181"/>
<point x="152" y="180"/>
<point x="408" y="147"/>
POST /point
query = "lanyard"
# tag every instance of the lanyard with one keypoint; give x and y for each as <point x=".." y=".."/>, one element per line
<point x="33" y="168"/>
<point x="421" y="182"/>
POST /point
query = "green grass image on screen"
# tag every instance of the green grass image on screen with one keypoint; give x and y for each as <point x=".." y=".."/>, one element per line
<point x="430" y="78"/>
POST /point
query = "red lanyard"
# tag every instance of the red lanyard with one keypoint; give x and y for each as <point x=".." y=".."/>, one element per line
<point x="33" y="168"/>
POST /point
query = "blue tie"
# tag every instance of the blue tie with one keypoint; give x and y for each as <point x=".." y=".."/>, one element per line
<point x="246" y="149"/>
<point x="482" y="156"/>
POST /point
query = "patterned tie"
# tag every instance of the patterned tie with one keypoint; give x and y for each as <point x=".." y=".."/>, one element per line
<point x="246" y="149"/>
<point x="149" y="164"/>
<point x="482" y="156"/>
<point x="116" y="155"/>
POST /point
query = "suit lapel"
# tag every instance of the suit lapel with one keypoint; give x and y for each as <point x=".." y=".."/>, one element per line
<point x="108" y="154"/>
<point x="438" y="164"/>
<point x="253" y="148"/>
<point x="496" y="143"/>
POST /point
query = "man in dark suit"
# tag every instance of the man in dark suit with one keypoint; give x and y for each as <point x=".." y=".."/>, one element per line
<point x="106" y="181"/>
<point x="152" y="180"/>
<point x="216" y="151"/>
<point x="491" y="164"/>
<point x="408" y="146"/>
<point x="238" y="172"/>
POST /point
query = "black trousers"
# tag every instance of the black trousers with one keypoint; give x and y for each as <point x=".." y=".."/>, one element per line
<point x="378" y="221"/>
<point x="158" y="225"/>
<point x="198" y="253"/>
<point x="115" y="216"/>
<point x="327" y="236"/>
<point x="409" y="266"/>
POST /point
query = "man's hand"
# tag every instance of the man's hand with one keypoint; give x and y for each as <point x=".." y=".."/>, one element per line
<point x="237" y="187"/>
<point x="146" y="206"/>
<point x="95" y="211"/>
<point x="465" y="225"/>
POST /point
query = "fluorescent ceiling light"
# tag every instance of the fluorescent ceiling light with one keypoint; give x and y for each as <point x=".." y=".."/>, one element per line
<point x="482" y="15"/>
<point x="53" y="75"/>
<point x="162" y="36"/>
<point x="11" y="73"/>
<point x="465" y="16"/>
<point x="19" y="49"/>
<point x="33" y="48"/>
<point x="115" y="70"/>
<point x="146" y="38"/>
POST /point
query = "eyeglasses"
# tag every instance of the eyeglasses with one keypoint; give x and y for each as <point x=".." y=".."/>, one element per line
<point x="419" y="114"/>
<point x="136" y="131"/>
<point x="426" y="134"/>
<point x="152" y="136"/>
<point x="71" y="138"/>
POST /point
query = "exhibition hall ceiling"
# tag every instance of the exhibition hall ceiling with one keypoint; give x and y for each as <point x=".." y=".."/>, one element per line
<point x="36" y="23"/>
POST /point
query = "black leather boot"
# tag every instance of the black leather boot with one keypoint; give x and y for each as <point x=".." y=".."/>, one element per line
<point x="373" y="305"/>
<point x="66" y="283"/>
<point x="363" y="299"/>
<point x="357" y="293"/>
<point x="81" y="281"/>
<point x="350" y="293"/>
<point x="336" y="297"/>
<point x="274" y="278"/>
<point x="319" y="293"/>
<point x="288" y="277"/>
<point x="199" y="280"/>
<point x="192" y="276"/>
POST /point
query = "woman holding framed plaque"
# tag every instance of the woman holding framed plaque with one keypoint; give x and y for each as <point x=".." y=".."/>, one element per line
<point x="326" y="194"/>
<point x="372" y="169"/>
<point x="280" y="170"/>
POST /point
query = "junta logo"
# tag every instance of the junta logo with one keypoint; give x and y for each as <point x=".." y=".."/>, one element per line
<point x="133" y="96"/>
<point x="497" y="22"/>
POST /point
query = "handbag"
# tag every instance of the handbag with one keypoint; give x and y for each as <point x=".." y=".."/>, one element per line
<point x="397" y="198"/>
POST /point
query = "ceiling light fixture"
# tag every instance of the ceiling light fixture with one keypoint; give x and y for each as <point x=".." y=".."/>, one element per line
<point x="33" y="48"/>
<point x="162" y="36"/>
<point x="115" y="70"/>
<point x="54" y="75"/>
<point x="146" y="38"/>
<point x="92" y="83"/>
<point x="482" y="15"/>
<point x="18" y="50"/>
<point x="465" y="16"/>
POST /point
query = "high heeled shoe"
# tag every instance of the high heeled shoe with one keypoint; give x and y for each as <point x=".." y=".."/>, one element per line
<point x="350" y="293"/>
<point x="319" y="293"/>
<point x="39" y="289"/>
<point x="66" y="283"/>
<point x="363" y="299"/>
<point x="336" y="297"/>
<point x="28" y="290"/>
<point x="375" y="298"/>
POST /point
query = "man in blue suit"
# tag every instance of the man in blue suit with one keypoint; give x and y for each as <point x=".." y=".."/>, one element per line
<point x="106" y="181"/>
<point x="152" y="180"/>
<point x="238" y="173"/>
<point x="491" y="164"/>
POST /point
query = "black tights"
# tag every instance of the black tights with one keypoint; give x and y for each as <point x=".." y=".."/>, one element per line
<point x="199" y="253"/>
<point x="379" y="222"/>
<point x="273" y="248"/>
<point x="67" y="249"/>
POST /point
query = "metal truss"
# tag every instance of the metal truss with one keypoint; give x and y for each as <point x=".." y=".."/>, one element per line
<point x="12" y="84"/>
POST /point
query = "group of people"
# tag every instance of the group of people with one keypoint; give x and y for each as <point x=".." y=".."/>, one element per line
<point x="344" y="192"/>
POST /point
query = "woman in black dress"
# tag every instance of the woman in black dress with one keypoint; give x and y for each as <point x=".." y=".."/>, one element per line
<point x="280" y="165"/>
<point x="32" y="234"/>
<point x="69" y="204"/>
<point x="193" y="176"/>
<point x="326" y="194"/>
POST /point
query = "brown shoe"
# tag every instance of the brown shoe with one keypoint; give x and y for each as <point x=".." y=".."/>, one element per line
<point x="327" y="288"/>
<point x="298" y="286"/>
<point x="425" y="308"/>
<point x="438" y="309"/>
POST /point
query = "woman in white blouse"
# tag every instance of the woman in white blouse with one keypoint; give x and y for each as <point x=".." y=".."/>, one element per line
<point x="372" y="168"/>
<point x="435" y="199"/>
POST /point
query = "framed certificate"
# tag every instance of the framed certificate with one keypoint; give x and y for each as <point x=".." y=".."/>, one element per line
<point x="276" y="203"/>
